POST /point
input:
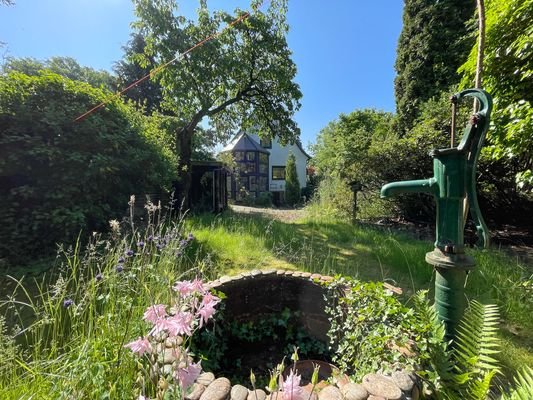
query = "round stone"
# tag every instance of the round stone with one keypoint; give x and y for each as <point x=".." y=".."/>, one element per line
<point x="403" y="380"/>
<point x="205" y="378"/>
<point x="239" y="392"/>
<point x="383" y="386"/>
<point x="195" y="392"/>
<point x="174" y="341"/>
<point x="354" y="391"/>
<point x="169" y="356"/>
<point x="372" y="397"/>
<point x="219" y="389"/>
<point x="330" y="393"/>
<point x="257" y="394"/>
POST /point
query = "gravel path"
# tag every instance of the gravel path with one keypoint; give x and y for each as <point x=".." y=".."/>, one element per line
<point x="283" y="215"/>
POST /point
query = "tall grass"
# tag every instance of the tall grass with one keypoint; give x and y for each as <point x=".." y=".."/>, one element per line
<point x="68" y="334"/>
<point x="327" y="245"/>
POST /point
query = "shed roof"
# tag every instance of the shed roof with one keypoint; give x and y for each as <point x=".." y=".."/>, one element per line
<point x="243" y="142"/>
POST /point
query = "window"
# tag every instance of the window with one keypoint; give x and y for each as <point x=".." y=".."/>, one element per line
<point x="239" y="155"/>
<point x="278" y="173"/>
<point x="263" y="181"/>
<point x="253" y="183"/>
<point x="250" y="155"/>
<point x="263" y="158"/>
<point x="263" y="168"/>
<point x="250" y="168"/>
<point x="266" y="143"/>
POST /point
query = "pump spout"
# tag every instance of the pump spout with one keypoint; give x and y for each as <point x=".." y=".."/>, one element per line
<point x="416" y="186"/>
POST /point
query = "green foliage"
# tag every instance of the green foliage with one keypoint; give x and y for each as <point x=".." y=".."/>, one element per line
<point x="62" y="176"/>
<point x="507" y="76"/>
<point x="147" y="95"/>
<point x="292" y="185"/>
<point x="368" y="328"/>
<point x="523" y="386"/>
<point x="227" y="345"/>
<point x="64" y="66"/>
<point x="72" y="324"/>
<point x="432" y="45"/>
<point x="242" y="78"/>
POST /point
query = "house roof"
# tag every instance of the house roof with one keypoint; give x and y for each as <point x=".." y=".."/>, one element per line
<point x="243" y="142"/>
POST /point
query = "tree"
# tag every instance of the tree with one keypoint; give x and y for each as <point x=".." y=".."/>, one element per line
<point x="148" y="93"/>
<point x="59" y="176"/>
<point x="64" y="66"/>
<point x="433" y="43"/>
<point x="292" y="184"/>
<point x="507" y="76"/>
<point x="242" y="78"/>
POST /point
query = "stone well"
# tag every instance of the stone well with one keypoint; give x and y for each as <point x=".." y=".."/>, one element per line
<point x="252" y="295"/>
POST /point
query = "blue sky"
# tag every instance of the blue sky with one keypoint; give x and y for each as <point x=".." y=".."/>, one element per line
<point x="344" y="49"/>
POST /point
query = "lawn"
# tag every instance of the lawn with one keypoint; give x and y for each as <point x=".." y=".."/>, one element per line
<point x="235" y="242"/>
<point x="76" y="350"/>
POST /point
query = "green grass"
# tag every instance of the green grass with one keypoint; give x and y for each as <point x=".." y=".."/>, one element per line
<point x="329" y="246"/>
<point x="77" y="352"/>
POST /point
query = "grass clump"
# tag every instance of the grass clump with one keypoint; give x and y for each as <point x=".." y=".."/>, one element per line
<point x="68" y="332"/>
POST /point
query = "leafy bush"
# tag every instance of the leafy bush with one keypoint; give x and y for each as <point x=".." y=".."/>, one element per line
<point x="292" y="185"/>
<point x="264" y="199"/>
<point x="60" y="176"/>
<point x="370" y="329"/>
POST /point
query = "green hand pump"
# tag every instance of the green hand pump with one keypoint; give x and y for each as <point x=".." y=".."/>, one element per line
<point x="453" y="183"/>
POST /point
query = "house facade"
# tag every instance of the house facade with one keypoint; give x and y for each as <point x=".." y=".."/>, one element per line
<point x="261" y="166"/>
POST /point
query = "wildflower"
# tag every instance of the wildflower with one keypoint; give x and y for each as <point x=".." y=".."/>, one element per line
<point x="67" y="303"/>
<point x="183" y="243"/>
<point x="140" y="244"/>
<point x="207" y="308"/>
<point x="180" y="324"/>
<point x="119" y="268"/>
<point x="121" y="260"/>
<point x="149" y="238"/>
<point x="99" y="276"/>
<point x="179" y="253"/>
<point x="291" y="387"/>
<point x="198" y="285"/>
<point x="190" y="238"/>
<point x="184" y="287"/>
<point x="129" y="253"/>
<point x="141" y="397"/>
<point x="114" y="225"/>
<point x="186" y="376"/>
<point x="140" y="346"/>
<point x="154" y="313"/>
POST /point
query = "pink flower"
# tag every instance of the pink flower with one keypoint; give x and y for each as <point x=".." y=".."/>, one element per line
<point x="155" y="312"/>
<point x="141" y="397"/>
<point x="180" y="324"/>
<point x="186" y="376"/>
<point x="140" y="346"/>
<point x="198" y="285"/>
<point x="209" y="298"/>
<point x="205" y="312"/>
<point x="292" y="389"/>
<point x="184" y="287"/>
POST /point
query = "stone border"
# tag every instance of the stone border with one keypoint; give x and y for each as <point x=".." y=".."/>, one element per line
<point x="401" y="385"/>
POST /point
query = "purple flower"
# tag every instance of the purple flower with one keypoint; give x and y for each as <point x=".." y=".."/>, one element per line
<point x="67" y="303"/>
<point x="121" y="260"/>
<point x="190" y="238"/>
<point x="178" y="253"/>
<point x="119" y="268"/>
<point x="129" y="253"/>
<point x="149" y="238"/>
<point x="99" y="276"/>
<point x="183" y="243"/>
<point x="140" y="244"/>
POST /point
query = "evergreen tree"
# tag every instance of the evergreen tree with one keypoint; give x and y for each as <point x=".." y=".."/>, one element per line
<point x="292" y="185"/>
<point x="434" y="42"/>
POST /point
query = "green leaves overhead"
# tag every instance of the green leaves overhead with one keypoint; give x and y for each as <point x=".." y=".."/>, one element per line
<point x="508" y="73"/>
<point x="241" y="78"/>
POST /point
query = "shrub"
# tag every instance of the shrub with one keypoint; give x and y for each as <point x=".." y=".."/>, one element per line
<point x="292" y="185"/>
<point x="60" y="176"/>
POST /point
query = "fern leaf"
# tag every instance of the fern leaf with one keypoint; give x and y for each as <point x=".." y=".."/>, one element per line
<point x="523" y="386"/>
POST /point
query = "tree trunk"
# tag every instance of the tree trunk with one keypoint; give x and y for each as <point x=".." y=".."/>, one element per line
<point x="184" y="137"/>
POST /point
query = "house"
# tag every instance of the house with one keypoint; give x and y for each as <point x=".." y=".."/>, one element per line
<point x="261" y="166"/>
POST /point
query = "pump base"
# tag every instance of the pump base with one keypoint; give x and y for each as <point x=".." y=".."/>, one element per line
<point x="440" y="259"/>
